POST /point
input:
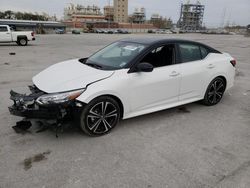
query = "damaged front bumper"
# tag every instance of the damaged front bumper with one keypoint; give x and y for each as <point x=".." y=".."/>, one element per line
<point x="27" y="107"/>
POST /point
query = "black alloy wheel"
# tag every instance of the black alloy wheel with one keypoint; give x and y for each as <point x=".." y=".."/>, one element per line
<point x="215" y="92"/>
<point x="100" y="116"/>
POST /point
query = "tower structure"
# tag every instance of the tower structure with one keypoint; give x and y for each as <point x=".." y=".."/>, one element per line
<point x="191" y="16"/>
<point x="121" y="11"/>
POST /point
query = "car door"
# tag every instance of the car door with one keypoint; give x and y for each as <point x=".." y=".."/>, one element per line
<point x="195" y="71"/>
<point x="5" y="34"/>
<point x="152" y="91"/>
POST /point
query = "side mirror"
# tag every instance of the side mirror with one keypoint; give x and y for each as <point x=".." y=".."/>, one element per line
<point x="144" y="67"/>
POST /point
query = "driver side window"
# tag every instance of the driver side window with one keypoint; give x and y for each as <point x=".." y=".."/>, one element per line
<point x="161" y="56"/>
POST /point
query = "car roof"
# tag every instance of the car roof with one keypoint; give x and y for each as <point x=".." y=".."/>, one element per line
<point x="160" y="40"/>
<point x="156" y="40"/>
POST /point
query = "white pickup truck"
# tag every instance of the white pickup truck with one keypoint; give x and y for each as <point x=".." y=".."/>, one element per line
<point x="20" y="37"/>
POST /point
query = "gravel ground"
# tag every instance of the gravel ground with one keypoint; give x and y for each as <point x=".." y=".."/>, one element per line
<point x="193" y="147"/>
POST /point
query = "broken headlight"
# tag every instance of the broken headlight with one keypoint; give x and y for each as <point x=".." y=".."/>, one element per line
<point x="59" y="98"/>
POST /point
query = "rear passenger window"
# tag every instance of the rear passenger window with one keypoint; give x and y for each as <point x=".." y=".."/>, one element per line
<point x="190" y="52"/>
<point x="3" y="29"/>
<point x="204" y="52"/>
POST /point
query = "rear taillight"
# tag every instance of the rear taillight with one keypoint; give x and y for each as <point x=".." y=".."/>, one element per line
<point x="32" y="34"/>
<point x="233" y="62"/>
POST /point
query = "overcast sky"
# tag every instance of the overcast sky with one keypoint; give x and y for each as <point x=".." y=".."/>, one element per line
<point x="233" y="11"/>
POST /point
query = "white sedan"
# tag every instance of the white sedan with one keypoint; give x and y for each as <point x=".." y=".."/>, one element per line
<point x="128" y="78"/>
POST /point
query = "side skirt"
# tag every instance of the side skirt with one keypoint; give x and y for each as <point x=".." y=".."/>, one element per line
<point x="159" y="108"/>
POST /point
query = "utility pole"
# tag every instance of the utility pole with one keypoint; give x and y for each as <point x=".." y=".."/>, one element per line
<point x="223" y="17"/>
<point x="109" y="11"/>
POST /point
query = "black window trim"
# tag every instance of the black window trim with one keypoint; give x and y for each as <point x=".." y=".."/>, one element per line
<point x="208" y="52"/>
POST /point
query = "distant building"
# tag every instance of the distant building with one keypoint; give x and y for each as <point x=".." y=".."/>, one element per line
<point x="138" y="16"/>
<point x="155" y="17"/>
<point x="41" y="27"/>
<point x="79" y="16"/>
<point x="191" y="17"/>
<point x="114" y="17"/>
<point x="81" y="10"/>
<point x="81" y="13"/>
<point x="109" y="13"/>
<point x="160" y="22"/>
<point x="121" y="11"/>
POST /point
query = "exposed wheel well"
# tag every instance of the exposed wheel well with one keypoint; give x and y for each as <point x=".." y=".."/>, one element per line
<point x="224" y="79"/>
<point x="118" y="101"/>
<point x="22" y="37"/>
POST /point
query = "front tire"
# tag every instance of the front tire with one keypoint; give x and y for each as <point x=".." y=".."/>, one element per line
<point x="100" y="116"/>
<point x="215" y="92"/>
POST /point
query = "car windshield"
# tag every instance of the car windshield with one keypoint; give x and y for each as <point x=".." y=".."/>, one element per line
<point x="115" y="56"/>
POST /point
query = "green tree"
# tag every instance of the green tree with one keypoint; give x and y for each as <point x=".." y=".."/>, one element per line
<point x="8" y="14"/>
<point x="18" y="15"/>
<point x="24" y="16"/>
<point x="2" y="15"/>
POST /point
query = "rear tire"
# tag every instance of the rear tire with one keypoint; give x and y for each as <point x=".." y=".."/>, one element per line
<point x="22" y="42"/>
<point x="100" y="116"/>
<point x="215" y="92"/>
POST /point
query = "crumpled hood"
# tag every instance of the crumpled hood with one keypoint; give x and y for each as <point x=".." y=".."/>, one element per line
<point x="68" y="75"/>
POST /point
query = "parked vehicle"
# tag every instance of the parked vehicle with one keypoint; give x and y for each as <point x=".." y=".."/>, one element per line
<point x="120" y="31"/>
<point x="174" y="31"/>
<point x="117" y="31"/>
<point x="7" y="35"/>
<point x="168" y="32"/>
<point x="126" y="79"/>
<point x="151" y="31"/>
<point x="105" y="31"/>
<point x="59" y="31"/>
<point x="99" y="31"/>
<point x="75" y="31"/>
<point x="110" y="32"/>
<point x="163" y="31"/>
<point x="125" y="32"/>
<point x="159" y="31"/>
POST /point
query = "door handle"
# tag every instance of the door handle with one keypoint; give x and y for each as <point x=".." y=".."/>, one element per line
<point x="174" y="73"/>
<point x="7" y="33"/>
<point x="210" y="66"/>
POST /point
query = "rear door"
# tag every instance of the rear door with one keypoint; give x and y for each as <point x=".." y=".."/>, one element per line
<point x="195" y="71"/>
<point x="5" y="34"/>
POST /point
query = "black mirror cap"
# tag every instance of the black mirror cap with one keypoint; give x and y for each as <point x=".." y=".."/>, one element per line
<point x="144" y="67"/>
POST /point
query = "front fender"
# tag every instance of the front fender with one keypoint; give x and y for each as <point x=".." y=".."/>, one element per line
<point x="92" y="93"/>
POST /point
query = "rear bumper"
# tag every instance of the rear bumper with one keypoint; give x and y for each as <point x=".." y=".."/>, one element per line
<point x="231" y="77"/>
